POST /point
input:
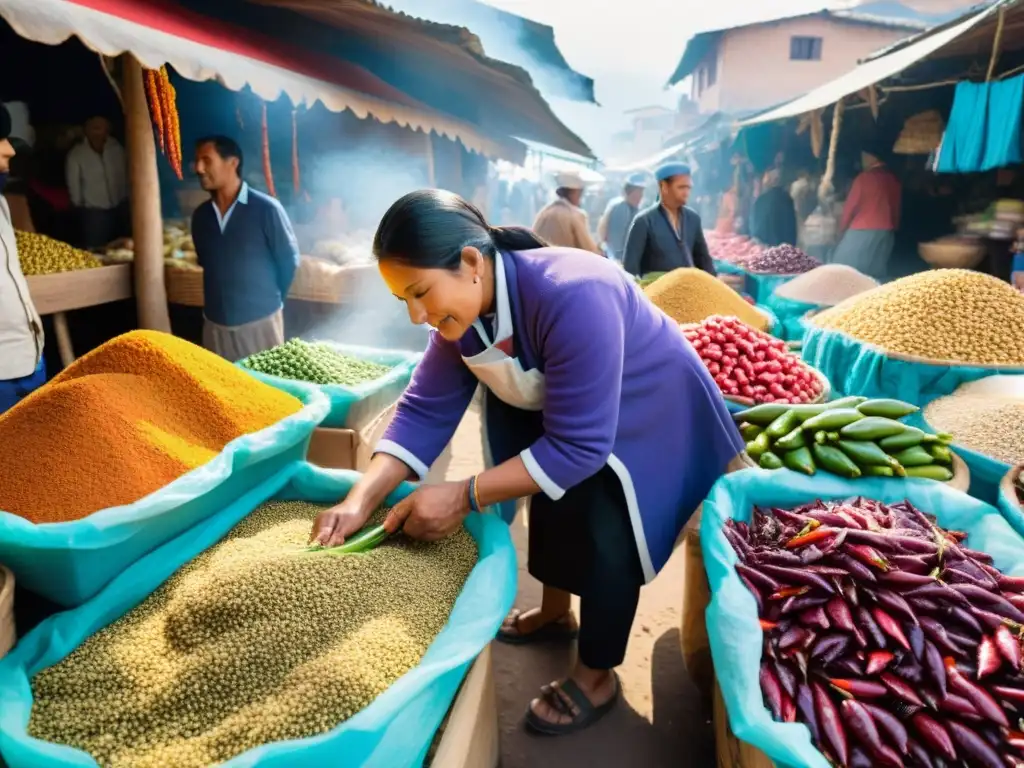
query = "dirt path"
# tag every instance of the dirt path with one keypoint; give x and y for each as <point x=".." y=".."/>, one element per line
<point x="660" y="723"/>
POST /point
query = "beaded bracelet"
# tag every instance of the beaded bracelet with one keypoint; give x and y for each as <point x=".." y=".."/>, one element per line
<point x="474" y="499"/>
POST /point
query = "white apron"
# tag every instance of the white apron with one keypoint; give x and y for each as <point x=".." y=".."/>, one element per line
<point x="504" y="376"/>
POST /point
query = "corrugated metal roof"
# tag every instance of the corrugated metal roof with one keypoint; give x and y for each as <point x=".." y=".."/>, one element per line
<point x="881" y="67"/>
<point x="701" y="44"/>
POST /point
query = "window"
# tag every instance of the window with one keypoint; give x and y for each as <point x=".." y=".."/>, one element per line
<point x="712" y="71"/>
<point x="805" y="48"/>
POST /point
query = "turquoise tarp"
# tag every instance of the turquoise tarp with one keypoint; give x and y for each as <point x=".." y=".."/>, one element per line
<point x="354" y="407"/>
<point x="70" y="562"/>
<point x="736" y="637"/>
<point x="727" y="268"/>
<point x="1011" y="509"/>
<point x="761" y="287"/>
<point x="790" y="316"/>
<point x="395" y="730"/>
<point x="855" y="368"/>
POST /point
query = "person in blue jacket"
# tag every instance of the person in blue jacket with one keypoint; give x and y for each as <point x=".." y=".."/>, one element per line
<point x="668" y="235"/>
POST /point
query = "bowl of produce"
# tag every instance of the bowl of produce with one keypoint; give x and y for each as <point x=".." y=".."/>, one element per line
<point x="953" y="252"/>
<point x="751" y="367"/>
<point x="7" y="631"/>
<point x="889" y="634"/>
<point x="852" y="437"/>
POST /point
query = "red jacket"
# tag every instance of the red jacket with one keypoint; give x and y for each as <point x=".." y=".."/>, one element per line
<point x="874" y="201"/>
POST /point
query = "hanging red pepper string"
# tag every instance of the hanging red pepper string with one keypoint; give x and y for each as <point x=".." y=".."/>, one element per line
<point x="296" y="180"/>
<point x="268" y="173"/>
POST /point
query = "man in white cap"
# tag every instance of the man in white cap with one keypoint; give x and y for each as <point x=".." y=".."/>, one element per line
<point x="563" y="222"/>
<point x="618" y="216"/>
<point x="668" y="235"/>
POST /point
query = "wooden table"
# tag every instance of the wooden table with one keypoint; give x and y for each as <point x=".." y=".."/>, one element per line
<point x="62" y="292"/>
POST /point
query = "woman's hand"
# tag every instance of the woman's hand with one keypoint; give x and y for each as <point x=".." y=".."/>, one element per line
<point x="334" y="525"/>
<point x="431" y="512"/>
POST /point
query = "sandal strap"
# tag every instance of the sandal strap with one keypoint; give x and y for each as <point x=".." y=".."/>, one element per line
<point x="584" y="706"/>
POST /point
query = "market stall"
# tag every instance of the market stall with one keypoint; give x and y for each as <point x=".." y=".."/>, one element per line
<point x="218" y="528"/>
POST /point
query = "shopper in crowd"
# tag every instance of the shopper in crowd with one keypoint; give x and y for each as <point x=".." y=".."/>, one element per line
<point x="22" y="368"/>
<point x="591" y="401"/>
<point x="773" y="220"/>
<point x="97" y="177"/>
<point x="563" y="222"/>
<point x="248" y="251"/>
<point x="871" y="217"/>
<point x="618" y="216"/>
<point x="668" y="235"/>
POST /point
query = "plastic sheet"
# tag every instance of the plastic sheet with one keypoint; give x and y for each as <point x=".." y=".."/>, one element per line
<point x="355" y="407"/>
<point x="70" y="562"/>
<point x="790" y="314"/>
<point x="856" y="368"/>
<point x="761" y="287"/>
<point x="736" y="637"/>
<point x="395" y="730"/>
<point x="728" y="268"/>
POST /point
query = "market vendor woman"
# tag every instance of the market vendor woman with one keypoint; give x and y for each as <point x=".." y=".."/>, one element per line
<point x="595" y="407"/>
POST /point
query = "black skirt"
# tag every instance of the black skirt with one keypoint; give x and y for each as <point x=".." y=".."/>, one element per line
<point x="584" y="541"/>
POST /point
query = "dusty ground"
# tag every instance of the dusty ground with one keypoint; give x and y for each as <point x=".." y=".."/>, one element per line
<point x="659" y="723"/>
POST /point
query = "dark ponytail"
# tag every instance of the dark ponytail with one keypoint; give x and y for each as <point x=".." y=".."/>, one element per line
<point x="430" y="227"/>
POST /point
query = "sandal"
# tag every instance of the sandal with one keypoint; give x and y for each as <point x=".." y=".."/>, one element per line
<point x="586" y="713"/>
<point x="552" y="632"/>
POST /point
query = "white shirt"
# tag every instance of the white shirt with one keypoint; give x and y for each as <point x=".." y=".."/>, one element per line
<point x="243" y="198"/>
<point x="21" y="330"/>
<point x="95" y="180"/>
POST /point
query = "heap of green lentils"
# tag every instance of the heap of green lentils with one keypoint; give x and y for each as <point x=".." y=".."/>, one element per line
<point x="256" y="640"/>
<point x="315" y="362"/>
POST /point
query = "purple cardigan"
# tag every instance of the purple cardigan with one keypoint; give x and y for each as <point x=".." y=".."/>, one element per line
<point x="623" y="388"/>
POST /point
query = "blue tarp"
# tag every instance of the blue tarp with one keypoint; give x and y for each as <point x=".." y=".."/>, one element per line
<point x="963" y="145"/>
<point x="733" y="629"/>
<point x="355" y="407"/>
<point x="790" y="313"/>
<point x="855" y="368"/>
<point x="1002" y="134"/>
<point x="70" y="562"/>
<point x="395" y="730"/>
<point x="761" y="287"/>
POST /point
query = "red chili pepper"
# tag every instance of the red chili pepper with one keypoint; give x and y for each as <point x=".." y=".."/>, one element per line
<point x="877" y="661"/>
<point x="768" y="626"/>
<point x="830" y="724"/>
<point x="901" y="689"/>
<point x="868" y="556"/>
<point x="786" y="592"/>
<point x="934" y="735"/>
<point x="988" y="658"/>
<point x="1008" y="646"/>
<point x="891" y="627"/>
<point x="866" y="689"/>
<point x="812" y="536"/>
<point x="981" y="699"/>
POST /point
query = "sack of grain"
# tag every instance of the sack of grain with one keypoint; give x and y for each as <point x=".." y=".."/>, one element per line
<point x="690" y="295"/>
<point x="919" y="337"/>
<point x="986" y="419"/>
<point x="301" y="707"/>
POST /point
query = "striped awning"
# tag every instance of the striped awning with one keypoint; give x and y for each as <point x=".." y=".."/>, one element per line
<point x="157" y="32"/>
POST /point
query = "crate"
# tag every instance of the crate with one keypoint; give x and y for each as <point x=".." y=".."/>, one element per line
<point x="184" y="286"/>
<point x="470" y="737"/>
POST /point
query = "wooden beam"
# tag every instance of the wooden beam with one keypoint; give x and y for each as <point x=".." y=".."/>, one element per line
<point x="147" y="220"/>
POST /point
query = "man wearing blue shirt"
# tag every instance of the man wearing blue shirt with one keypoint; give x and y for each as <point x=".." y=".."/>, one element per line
<point x="248" y="251"/>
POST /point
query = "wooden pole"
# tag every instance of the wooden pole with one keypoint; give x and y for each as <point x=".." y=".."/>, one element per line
<point x="147" y="221"/>
<point x="997" y="45"/>
<point x="431" y="172"/>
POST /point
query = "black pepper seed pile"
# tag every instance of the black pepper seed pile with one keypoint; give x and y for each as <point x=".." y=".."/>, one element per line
<point x="254" y="641"/>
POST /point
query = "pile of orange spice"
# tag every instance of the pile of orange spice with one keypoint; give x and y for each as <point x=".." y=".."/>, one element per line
<point x="163" y="110"/>
<point x="122" y="422"/>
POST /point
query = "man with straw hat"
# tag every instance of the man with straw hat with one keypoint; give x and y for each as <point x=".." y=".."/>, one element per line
<point x="668" y="235"/>
<point x="563" y="222"/>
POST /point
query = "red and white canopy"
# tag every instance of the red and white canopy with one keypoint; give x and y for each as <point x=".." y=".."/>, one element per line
<point x="200" y="48"/>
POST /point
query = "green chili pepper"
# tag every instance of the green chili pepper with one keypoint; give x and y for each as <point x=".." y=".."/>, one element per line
<point x="865" y="453"/>
<point x="792" y="441"/>
<point x="769" y="460"/>
<point x="762" y="415"/>
<point x="940" y="453"/>
<point x="908" y="438"/>
<point x="872" y="428"/>
<point x="834" y="419"/>
<point x="931" y="472"/>
<point x="845" y="402"/>
<point x="749" y="431"/>
<point x="875" y="471"/>
<point x="783" y="425"/>
<point x="890" y="409"/>
<point x="757" y="446"/>
<point x="835" y="461"/>
<point x="915" y="456"/>
<point x="799" y="460"/>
